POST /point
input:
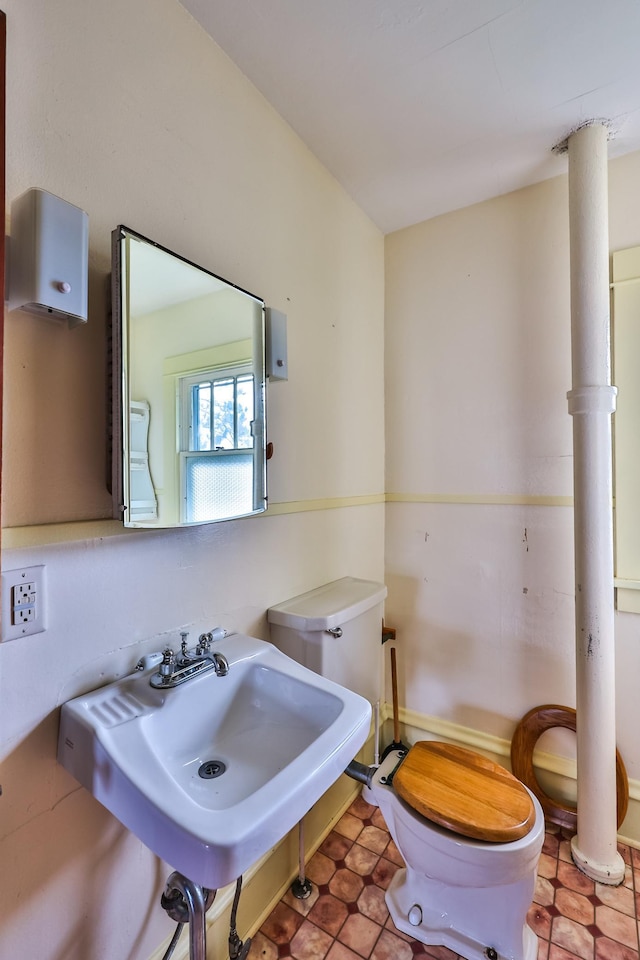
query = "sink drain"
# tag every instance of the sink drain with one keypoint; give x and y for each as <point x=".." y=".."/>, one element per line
<point x="211" y="769"/>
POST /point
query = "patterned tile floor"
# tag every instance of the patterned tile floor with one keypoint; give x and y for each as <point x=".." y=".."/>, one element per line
<point x="346" y="917"/>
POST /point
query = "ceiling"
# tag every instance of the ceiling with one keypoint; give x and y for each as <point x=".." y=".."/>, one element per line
<point x="418" y="107"/>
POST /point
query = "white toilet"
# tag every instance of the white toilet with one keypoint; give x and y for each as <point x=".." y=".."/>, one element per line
<point x="466" y="894"/>
<point x="457" y="890"/>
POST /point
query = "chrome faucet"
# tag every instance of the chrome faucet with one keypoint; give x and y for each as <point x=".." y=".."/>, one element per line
<point x="178" y="668"/>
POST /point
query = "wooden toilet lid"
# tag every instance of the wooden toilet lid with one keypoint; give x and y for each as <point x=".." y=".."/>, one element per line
<point x="464" y="792"/>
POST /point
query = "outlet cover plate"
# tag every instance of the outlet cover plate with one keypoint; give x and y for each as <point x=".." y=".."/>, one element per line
<point x="36" y="623"/>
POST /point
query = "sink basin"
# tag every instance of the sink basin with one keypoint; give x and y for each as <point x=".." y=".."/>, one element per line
<point x="212" y="773"/>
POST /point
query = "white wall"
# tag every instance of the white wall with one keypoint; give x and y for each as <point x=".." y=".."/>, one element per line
<point x="130" y="111"/>
<point x="479" y="538"/>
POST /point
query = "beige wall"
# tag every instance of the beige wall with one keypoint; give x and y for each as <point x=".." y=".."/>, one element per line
<point x="479" y="538"/>
<point x="128" y="110"/>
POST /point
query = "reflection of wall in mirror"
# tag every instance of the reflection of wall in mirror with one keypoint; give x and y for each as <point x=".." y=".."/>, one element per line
<point x="189" y="327"/>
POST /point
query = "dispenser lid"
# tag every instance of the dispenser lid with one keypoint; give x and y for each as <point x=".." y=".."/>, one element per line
<point x="328" y="606"/>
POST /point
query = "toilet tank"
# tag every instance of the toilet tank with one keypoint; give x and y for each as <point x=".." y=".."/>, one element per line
<point x="335" y="630"/>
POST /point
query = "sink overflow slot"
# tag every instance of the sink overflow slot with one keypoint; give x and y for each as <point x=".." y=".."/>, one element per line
<point x="211" y="769"/>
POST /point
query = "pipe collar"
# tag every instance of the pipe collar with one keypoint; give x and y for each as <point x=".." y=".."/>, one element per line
<point x="597" y="399"/>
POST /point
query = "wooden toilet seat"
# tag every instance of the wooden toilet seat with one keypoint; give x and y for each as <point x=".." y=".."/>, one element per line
<point x="527" y="733"/>
<point x="464" y="792"/>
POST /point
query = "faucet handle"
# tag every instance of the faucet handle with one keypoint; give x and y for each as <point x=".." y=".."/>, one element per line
<point x="168" y="665"/>
<point x="206" y="639"/>
<point x="148" y="660"/>
<point x="204" y="642"/>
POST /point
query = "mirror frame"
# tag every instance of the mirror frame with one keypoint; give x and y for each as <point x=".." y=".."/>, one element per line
<point x="118" y="387"/>
<point x="3" y="91"/>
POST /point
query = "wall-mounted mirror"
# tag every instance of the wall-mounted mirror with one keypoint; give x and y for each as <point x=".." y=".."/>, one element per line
<point x="188" y="386"/>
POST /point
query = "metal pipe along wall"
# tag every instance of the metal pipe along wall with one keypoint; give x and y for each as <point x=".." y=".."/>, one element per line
<point x="591" y="403"/>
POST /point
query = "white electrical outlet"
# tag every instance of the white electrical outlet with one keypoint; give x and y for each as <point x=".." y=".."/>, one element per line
<point x="23" y="602"/>
<point x="23" y="614"/>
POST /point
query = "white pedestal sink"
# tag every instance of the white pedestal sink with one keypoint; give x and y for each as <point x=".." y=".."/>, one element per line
<point x="212" y="773"/>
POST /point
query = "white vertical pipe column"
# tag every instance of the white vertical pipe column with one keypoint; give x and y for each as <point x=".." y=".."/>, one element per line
<point x="591" y="403"/>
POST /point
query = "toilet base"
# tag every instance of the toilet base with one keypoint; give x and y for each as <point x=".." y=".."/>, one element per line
<point x="475" y="923"/>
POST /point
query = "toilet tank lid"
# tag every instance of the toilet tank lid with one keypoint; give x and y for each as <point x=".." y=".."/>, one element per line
<point x="328" y="606"/>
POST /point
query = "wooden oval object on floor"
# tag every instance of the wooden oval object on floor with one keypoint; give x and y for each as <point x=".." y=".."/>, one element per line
<point x="526" y="735"/>
<point x="464" y="792"/>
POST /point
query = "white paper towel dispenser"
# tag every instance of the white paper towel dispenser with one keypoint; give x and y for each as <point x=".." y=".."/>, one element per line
<point x="48" y="257"/>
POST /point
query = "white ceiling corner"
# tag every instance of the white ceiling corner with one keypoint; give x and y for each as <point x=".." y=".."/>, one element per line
<point x="418" y="107"/>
